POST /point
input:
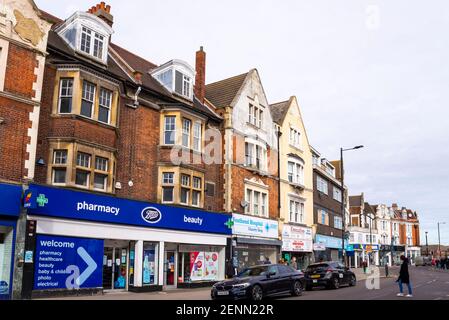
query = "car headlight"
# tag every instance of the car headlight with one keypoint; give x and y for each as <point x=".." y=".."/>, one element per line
<point x="241" y="286"/>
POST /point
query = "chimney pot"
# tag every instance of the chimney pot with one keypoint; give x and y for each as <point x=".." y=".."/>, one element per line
<point x="103" y="11"/>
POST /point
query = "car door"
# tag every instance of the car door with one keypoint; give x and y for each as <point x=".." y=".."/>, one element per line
<point x="344" y="277"/>
<point x="340" y="272"/>
<point x="285" y="278"/>
<point x="273" y="281"/>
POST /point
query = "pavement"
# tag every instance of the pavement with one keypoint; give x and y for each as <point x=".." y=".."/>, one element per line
<point x="428" y="284"/>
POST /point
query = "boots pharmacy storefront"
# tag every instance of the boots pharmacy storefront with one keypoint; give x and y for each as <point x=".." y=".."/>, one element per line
<point x="94" y="242"/>
<point x="10" y="204"/>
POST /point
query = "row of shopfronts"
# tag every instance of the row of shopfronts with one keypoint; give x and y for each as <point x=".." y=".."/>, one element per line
<point x="83" y="241"/>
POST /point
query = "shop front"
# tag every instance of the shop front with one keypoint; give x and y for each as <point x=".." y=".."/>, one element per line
<point x="327" y="248"/>
<point x="385" y="255"/>
<point x="397" y="252"/>
<point x="297" y="243"/>
<point x="365" y="253"/>
<point x="412" y="253"/>
<point x="10" y="204"/>
<point x="94" y="243"/>
<point x="255" y="241"/>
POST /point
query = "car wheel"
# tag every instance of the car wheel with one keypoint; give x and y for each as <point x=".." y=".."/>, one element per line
<point x="297" y="289"/>
<point x="257" y="293"/>
<point x="353" y="281"/>
<point x="335" y="283"/>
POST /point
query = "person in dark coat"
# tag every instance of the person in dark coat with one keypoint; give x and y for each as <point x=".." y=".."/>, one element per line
<point x="230" y="270"/>
<point x="404" y="278"/>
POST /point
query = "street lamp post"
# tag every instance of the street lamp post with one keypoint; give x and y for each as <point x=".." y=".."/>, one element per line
<point x="427" y="244"/>
<point x="343" y="202"/>
<point x="439" y="238"/>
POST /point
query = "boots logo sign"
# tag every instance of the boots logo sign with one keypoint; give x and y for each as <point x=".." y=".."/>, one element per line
<point x="151" y="215"/>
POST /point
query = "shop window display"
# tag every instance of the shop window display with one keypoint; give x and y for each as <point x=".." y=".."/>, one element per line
<point x="149" y="264"/>
<point x="198" y="266"/>
<point x="6" y="239"/>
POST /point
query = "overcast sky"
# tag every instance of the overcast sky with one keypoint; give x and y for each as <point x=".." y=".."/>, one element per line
<point x="365" y="72"/>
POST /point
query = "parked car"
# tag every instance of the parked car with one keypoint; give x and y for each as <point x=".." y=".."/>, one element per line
<point x="331" y="275"/>
<point x="257" y="283"/>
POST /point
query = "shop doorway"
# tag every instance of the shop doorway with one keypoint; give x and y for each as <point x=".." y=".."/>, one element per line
<point x="115" y="266"/>
<point x="170" y="269"/>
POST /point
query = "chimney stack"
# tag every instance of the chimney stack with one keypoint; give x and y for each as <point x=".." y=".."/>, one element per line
<point x="200" y="79"/>
<point x="103" y="11"/>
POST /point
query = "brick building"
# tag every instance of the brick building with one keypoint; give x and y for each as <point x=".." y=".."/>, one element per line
<point x="327" y="212"/>
<point x="137" y="138"/>
<point x="23" y="41"/>
<point x="251" y="184"/>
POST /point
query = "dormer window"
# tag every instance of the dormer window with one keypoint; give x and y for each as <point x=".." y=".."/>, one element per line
<point x="87" y="34"/>
<point x="177" y="77"/>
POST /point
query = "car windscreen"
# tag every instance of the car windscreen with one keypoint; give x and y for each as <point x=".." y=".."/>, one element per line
<point x="318" y="267"/>
<point x="254" y="272"/>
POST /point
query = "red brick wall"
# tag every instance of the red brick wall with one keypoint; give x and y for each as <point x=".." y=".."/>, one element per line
<point x="137" y="155"/>
<point x="238" y="190"/>
<point x="20" y="71"/>
<point x="13" y="139"/>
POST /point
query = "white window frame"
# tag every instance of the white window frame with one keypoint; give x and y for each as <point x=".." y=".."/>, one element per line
<point x="186" y="131"/>
<point x="338" y="225"/>
<point x="168" y="183"/>
<point x="197" y="135"/>
<point x="251" y="161"/>
<point x="322" y="185"/>
<point x="61" y="81"/>
<point x="261" y="202"/>
<point x="93" y="39"/>
<point x="90" y="98"/>
<point x="338" y="196"/>
<point x="108" y="107"/>
<point x="172" y="131"/>
<point x="296" y="211"/>
<point x="297" y="174"/>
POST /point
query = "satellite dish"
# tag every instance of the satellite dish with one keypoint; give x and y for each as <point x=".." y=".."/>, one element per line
<point x="244" y="204"/>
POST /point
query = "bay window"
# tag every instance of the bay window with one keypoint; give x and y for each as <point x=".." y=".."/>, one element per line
<point x="188" y="186"/>
<point x="80" y="166"/>
<point x="169" y="130"/>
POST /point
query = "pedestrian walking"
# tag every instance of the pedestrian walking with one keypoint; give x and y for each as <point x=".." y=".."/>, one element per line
<point x="447" y="264"/>
<point x="387" y="274"/>
<point x="365" y="266"/>
<point x="404" y="278"/>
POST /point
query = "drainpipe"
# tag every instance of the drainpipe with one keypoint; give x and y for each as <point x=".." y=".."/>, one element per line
<point x="279" y="134"/>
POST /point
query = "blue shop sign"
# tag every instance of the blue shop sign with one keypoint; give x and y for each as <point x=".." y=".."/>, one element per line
<point x="63" y="203"/>
<point x="330" y="242"/>
<point x="10" y="200"/>
<point x="68" y="263"/>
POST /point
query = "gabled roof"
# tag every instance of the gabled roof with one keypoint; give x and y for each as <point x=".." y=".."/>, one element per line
<point x="279" y="111"/>
<point x="222" y="93"/>
<point x="369" y="209"/>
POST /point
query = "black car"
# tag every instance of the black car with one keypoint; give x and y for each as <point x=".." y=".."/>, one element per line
<point x="331" y="275"/>
<point x="257" y="283"/>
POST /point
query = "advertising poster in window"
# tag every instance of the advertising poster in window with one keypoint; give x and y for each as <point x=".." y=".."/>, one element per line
<point x="196" y="266"/>
<point x="211" y="263"/>
<point x="148" y="266"/>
